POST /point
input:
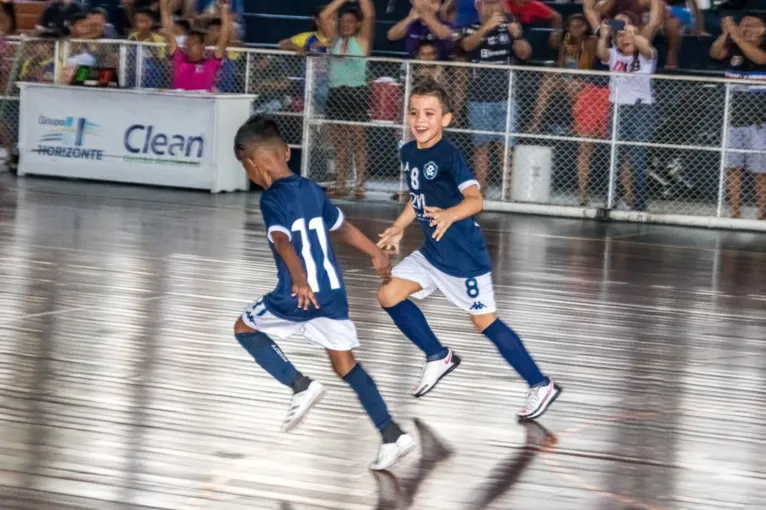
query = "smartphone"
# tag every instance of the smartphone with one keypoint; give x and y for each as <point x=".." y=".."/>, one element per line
<point x="616" y="25"/>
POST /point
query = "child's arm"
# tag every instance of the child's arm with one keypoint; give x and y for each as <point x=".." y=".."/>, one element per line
<point x="392" y="236"/>
<point x="301" y="287"/>
<point x="351" y="235"/>
<point x="472" y="204"/>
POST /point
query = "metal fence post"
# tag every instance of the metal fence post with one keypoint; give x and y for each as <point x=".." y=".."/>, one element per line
<point x="123" y="63"/>
<point x="308" y="112"/>
<point x="405" y="109"/>
<point x="139" y="66"/>
<point x="613" y="159"/>
<point x="724" y="146"/>
<point x="504" y="187"/>
<point x="247" y="74"/>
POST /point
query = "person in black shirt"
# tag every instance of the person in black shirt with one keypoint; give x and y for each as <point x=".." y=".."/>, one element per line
<point x="745" y="48"/>
<point x="56" y="17"/>
<point x="496" y="40"/>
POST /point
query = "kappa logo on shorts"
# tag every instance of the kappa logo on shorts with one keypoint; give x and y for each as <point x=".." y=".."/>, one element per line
<point x="478" y="305"/>
<point x="430" y="170"/>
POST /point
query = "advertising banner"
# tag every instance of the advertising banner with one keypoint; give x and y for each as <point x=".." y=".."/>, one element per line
<point x="117" y="135"/>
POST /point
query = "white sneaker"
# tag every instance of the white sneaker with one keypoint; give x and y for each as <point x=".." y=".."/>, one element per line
<point x="389" y="453"/>
<point x="538" y="400"/>
<point x="433" y="371"/>
<point x="301" y="404"/>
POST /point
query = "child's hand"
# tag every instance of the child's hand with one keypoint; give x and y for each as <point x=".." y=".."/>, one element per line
<point x="390" y="239"/>
<point x="305" y="295"/>
<point x="441" y="219"/>
<point x="382" y="266"/>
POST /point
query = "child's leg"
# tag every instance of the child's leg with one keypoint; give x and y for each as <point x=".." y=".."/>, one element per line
<point x="338" y="337"/>
<point x="510" y="346"/>
<point x="251" y="332"/>
<point x="408" y="317"/>
<point x="347" y="368"/>
<point x="542" y="390"/>
<point x="269" y="356"/>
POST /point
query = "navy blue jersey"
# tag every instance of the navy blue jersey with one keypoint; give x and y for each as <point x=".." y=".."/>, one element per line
<point x="298" y="208"/>
<point x="436" y="178"/>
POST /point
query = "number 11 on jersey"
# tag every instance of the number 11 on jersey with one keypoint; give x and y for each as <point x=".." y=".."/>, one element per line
<point x="317" y="225"/>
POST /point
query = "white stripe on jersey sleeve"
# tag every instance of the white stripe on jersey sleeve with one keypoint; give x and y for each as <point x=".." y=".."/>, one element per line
<point x="279" y="228"/>
<point x="468" y="184"/>
<point x="339" y="221"/>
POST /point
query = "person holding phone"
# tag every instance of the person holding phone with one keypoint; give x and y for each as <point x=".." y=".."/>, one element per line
<point x="633" y="54"/>
<point x="497" y="39"/>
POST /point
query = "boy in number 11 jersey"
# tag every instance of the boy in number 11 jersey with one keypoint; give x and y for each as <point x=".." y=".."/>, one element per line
<point x="454" y="259"/>
<point x="310" y="295"/>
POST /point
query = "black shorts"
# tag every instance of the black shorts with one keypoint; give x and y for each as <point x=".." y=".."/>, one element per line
<point x="348" y="103"/>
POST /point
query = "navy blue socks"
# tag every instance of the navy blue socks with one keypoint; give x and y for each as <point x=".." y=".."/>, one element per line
<point x="411" y="321"/>
<point x="512" y="349"/>
<point x="271" y="358"/>
<point x="371" y="399"/>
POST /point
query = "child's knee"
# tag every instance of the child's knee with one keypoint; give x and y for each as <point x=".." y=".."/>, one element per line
<point x="342" y="361"/>
<point x="482" y="322"/>
<point x="389" y="295"/>
<point x="241" y="327"/>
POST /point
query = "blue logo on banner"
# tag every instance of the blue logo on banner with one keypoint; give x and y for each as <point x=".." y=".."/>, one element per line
<point x="67" y="137"/>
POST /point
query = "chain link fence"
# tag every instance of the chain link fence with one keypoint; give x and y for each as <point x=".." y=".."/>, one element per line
<point x="539" y="139"/>
<point x="542" y="137"/>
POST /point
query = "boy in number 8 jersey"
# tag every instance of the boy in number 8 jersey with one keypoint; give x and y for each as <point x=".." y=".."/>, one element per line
<point x="310" y="295"/>
<point x="454" y="259"/>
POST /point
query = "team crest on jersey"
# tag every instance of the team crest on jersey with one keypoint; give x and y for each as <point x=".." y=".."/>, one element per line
<point x="430" y="170"/>
<point x="737" y="60"/>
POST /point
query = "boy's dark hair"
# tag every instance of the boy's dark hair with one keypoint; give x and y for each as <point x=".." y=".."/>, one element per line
<point x="146" y="12"/>
<point x="100" y="11"/>
<point x="426" y="43"/>
<point x="76" y="18"/>
<point x="200" y="36"/>
<point x="257" y="130"/>
<point x="427" y="86"/>
<point x="184" y="24"/>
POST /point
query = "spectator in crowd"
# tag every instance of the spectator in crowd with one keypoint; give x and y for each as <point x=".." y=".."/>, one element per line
<point x="744" y="46"/>
<point x="144" y="28"/>
<point x="528" y="12"/>
<point x="423" y="24"/>
<point x="589" y="95"/>
<point x="349" y="94"/>
<point x="99" y="24"/>
<point x="202" y="12"/>
<point x="8" y="24"/>
<point x="497" y="39"/>
<point x="192" y="70"/>
<point x="56" y="17"/>
<point x="314" y="41"/>
<point x="428" y="51"/>
<point x="131" y="7"/>
<point x="683" y="17"/>
<point x="631" y="53"/>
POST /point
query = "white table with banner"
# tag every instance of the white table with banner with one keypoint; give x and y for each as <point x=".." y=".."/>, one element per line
<point x="161" y="138"/>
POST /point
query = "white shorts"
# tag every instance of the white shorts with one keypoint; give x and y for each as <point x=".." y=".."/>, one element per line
<point x="749" y="138"/>
<point x="474" y="295"/>
<point x="334" y="334"/>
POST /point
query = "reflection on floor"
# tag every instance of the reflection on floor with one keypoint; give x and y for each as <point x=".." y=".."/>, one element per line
<point x="121" y="386"/>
